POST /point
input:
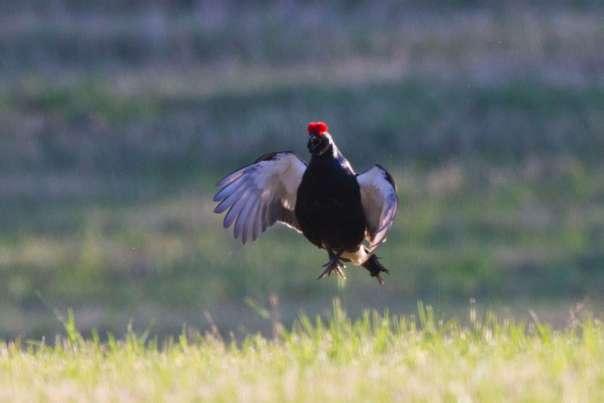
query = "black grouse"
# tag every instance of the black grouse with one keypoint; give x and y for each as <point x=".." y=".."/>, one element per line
<point x="345" y="213"/>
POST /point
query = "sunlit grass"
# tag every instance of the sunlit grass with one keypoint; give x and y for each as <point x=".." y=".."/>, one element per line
<point x="378" y="357"/>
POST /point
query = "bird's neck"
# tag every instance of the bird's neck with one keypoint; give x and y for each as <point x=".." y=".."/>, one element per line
<point x="333" y="157"/>
<point x="329" y="154"/>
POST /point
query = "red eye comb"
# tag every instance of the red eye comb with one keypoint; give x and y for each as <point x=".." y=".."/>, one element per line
<point x="317" y="128"/>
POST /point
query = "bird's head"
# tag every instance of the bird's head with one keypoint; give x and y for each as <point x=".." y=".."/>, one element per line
<point x="320" y="140"/>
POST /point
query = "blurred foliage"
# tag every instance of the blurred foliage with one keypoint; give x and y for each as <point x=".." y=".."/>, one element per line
<point x="117" y="118"/>
<point x="395" y="122"/>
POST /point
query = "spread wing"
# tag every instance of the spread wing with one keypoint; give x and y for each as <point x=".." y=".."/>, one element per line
<point x="380" y="203"/>
<point x="260" y="194"/>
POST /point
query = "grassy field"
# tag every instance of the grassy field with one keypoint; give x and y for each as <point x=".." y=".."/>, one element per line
<point x="378" y="357"/>
<point x="117" y="119"/>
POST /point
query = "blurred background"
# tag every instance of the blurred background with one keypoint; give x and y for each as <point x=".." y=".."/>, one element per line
<point x="117" y="118"/>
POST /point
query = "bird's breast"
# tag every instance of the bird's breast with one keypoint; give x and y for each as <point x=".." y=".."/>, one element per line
<point x="329" y="209"/>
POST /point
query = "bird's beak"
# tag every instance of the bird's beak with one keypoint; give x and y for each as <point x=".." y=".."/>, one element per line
<point x="313" y="143"/>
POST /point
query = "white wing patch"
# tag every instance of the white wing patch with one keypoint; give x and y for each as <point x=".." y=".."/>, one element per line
<point x="380" y="203"/>
<point x="258" y="195"/>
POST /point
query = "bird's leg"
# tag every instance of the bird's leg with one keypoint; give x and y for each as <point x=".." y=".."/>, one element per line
<point x="333" y="265"/>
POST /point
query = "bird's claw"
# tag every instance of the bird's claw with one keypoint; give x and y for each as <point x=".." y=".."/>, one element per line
<point x="334" y="265"/>
<point x="378" y="276"/>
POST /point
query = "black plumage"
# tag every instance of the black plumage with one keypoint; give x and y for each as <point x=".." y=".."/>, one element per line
<point x="329" y="206"/>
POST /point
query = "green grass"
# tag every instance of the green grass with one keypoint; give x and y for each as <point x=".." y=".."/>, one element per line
<point x="378" y="357"/>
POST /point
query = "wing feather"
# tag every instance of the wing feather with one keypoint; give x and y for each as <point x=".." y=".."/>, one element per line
<point x="242" y="220"/>
<point x="257" y="227"/>
<point x="380" y="203"/>
<point x="227" y="191"/>
<point x="229" y="200"/>
<point x="236" y="209"/>
<point x="260" y="194"/>
<point x="250" y="219"/>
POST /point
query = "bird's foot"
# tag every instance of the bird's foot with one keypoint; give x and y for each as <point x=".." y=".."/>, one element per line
<point x="378" y="276"/>
<point x="334" y="265"/>
<point x="375" y="268"/>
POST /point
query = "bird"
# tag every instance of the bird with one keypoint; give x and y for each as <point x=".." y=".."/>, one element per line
<point x="345" y="213"/>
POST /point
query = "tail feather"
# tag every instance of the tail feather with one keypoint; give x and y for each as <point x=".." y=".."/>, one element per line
<point x="375" y="268"/>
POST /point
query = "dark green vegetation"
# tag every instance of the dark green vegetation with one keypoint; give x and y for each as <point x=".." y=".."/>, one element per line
<point x="115" y="125"/>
